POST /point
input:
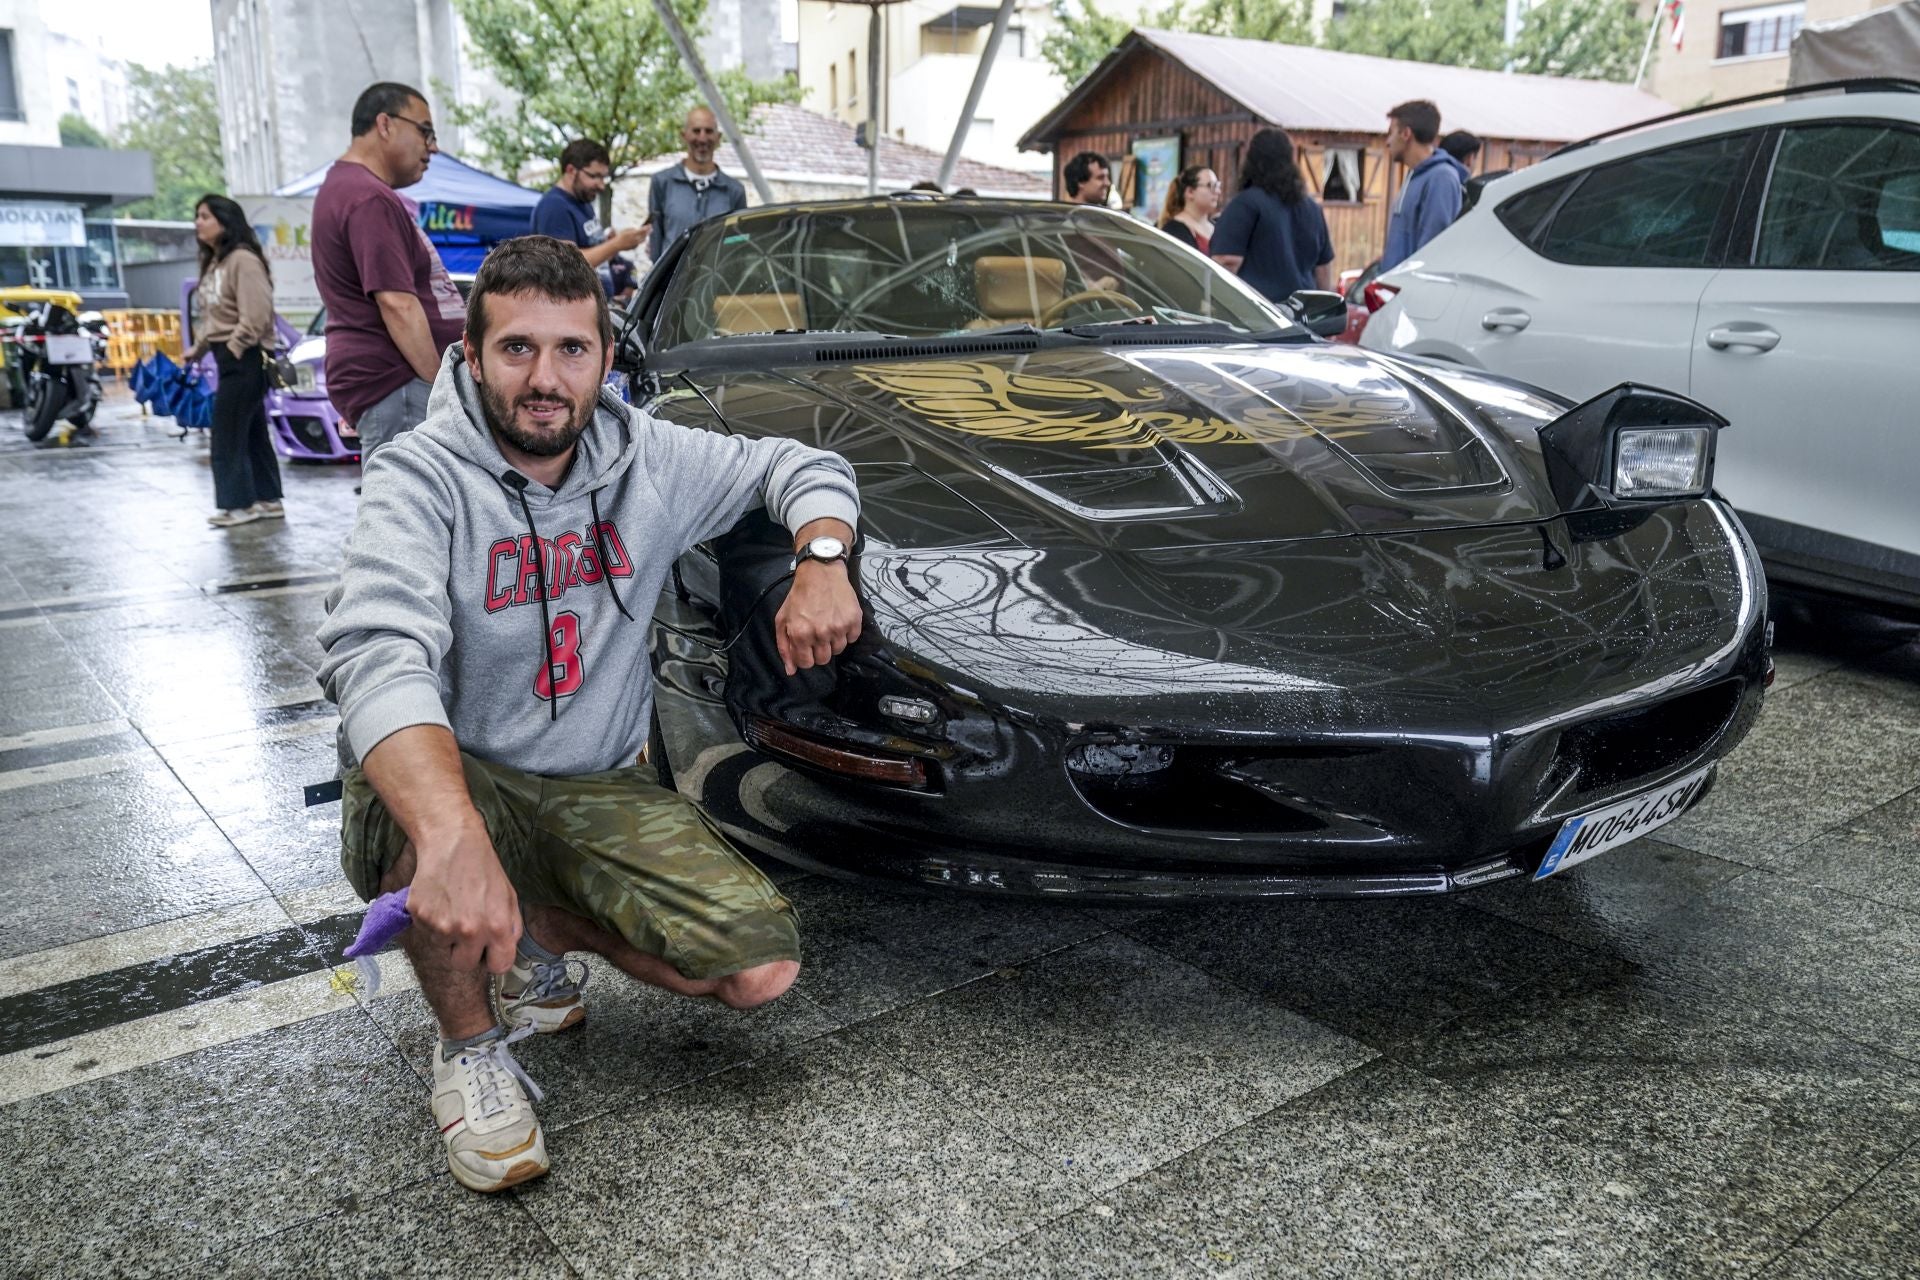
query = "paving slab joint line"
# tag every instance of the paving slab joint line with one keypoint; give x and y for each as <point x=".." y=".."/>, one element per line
<point x="1844" y="1201"/>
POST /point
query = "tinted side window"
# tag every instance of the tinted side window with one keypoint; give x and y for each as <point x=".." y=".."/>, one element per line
<point x="1523" y="214"/>
<point x="1843" y="197"/>
<point x="1656" y="210"/>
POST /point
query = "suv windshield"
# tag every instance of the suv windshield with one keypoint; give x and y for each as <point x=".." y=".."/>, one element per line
<point x="926" y="270"/>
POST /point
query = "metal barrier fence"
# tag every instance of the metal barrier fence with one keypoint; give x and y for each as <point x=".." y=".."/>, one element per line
<point x="132" y="336"/>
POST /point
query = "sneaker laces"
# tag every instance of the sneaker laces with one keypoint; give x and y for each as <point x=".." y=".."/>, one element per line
<point x="494" y="1065"/>
<point x="554" y="977"/>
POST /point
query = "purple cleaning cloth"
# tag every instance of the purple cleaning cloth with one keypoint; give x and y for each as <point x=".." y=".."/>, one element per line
<point x="386" y="917"/>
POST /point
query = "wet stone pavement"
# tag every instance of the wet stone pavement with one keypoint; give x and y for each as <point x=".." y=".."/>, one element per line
<point x="1696" y="1055"/>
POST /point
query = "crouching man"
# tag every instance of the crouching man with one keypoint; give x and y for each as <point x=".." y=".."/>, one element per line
<point x="487" y="647"/>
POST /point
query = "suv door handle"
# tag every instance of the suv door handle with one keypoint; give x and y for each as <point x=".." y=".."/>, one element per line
<point x="1506" y="318"/>
<point x="1734" y="336"/>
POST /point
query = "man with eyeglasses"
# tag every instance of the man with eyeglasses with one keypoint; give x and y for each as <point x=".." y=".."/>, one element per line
<point x="568" y="211"/>
<point x="688" y="193"/>
<point x="392" y="309"/>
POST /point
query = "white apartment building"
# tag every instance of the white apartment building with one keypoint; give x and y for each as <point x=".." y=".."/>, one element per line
<point x="929" y="50"/>
<point x="29" y="112"/>
<point x="82" y="79"/>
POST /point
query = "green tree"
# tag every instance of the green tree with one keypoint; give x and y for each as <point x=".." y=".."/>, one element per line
<point x="1459" y="33"/>
<point x="1281" y="21"/>
<point x="602" y="69"/>
<point x="176" y="116"/>
<point x="1584" y="39"/>
<point x="76" y="132"/>
<point x="1081" y="36"/>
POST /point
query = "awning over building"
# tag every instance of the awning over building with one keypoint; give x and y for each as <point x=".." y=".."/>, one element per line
<point x="1295" y="87"/>
<point x="86" y="176"/>
<point x="457" y="201"/>
<point x="1883" y="42"/>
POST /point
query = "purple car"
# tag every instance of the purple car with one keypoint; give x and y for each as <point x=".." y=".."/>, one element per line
<point x="306" y="426"/>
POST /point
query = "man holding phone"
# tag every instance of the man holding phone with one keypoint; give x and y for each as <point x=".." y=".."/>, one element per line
<point x="569" y="210"/>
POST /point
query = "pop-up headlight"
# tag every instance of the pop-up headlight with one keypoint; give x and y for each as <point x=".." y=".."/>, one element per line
<point x="1629" y="445"/>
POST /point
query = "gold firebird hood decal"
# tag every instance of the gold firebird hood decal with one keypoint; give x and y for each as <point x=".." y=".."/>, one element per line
<point x="995" y="400"/>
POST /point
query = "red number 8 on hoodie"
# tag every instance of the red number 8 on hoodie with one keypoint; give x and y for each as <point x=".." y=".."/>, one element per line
<point x="564" y="672"/>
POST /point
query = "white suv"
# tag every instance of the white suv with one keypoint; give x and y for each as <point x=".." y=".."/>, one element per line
<point x="1766" y="262"/>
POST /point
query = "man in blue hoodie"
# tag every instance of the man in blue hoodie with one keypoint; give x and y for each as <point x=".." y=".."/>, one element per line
<point x="495" y="692"/>
<point x="1430" y="198"/>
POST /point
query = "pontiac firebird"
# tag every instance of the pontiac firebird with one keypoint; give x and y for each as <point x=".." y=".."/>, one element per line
<point x="1164" y="597"/>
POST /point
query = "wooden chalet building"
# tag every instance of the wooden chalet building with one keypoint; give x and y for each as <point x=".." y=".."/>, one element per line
<point x="1167" y="93"/>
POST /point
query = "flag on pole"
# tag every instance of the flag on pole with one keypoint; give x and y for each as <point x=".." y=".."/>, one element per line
<point x="1677" y="13"/>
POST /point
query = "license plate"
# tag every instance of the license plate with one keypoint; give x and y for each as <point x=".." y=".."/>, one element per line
<point x="1592" y="834"/>
<point x="69" y="348"/>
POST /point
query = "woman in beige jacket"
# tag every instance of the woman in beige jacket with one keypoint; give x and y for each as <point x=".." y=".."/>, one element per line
<point x="236" y="324"/>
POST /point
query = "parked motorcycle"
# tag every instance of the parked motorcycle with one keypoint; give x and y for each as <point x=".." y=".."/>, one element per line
<point x="61" y="353"/>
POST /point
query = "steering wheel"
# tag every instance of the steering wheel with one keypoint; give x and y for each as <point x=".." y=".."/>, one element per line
<point x="1072" y="300"/>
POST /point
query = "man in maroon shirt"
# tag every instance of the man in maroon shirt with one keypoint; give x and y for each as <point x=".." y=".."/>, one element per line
<point x="391" y="307"/>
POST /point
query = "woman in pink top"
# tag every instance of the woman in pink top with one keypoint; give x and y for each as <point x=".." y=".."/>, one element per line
<point x="1193" y="198"/>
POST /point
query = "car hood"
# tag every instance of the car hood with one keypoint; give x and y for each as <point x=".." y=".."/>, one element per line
<point x="1180" y="446"/>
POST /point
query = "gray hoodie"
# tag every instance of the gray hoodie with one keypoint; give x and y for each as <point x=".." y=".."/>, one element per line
<point x="437" y="618"/>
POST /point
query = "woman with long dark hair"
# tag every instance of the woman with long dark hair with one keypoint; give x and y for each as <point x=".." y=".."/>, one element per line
<point x="1274" y="235"/>
<point x="236" y="309"/>
<point x="1193" y="197"/>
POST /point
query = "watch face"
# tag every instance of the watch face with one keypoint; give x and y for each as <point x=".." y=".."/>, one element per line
<point x="826" y="549"/>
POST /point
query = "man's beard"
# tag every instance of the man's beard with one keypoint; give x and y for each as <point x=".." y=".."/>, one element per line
<point x="552" y="442"/>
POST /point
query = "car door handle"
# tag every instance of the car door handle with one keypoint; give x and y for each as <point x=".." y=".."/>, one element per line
<point x="1506" y="318"/>
<point x="1729" y="336"/>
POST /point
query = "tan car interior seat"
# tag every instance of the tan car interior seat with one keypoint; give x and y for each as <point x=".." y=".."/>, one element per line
<point x="757" y="312"/>
<point x="1010" y="290"/>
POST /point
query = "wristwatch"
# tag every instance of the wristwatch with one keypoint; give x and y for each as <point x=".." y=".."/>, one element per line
<point x="826" y="548"/>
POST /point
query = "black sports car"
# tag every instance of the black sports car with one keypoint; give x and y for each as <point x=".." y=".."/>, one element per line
<point x="1166" y="597"/>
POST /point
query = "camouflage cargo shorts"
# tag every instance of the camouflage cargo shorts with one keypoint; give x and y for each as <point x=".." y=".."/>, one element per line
<point x="614" y="848"/>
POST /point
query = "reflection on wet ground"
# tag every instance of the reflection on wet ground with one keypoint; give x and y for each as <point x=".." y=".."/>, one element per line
<point x="1699" y="1054"/>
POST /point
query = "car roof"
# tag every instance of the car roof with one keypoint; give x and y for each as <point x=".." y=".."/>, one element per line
<point x="1655" y="135"/>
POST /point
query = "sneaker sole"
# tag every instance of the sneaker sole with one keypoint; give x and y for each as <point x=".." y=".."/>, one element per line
<point x="273" y="515"/>
<point x="544" y="1027"/>
<point x="524" y="1171"/>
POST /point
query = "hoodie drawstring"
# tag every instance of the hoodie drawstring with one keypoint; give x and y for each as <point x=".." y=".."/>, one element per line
<point x="518" y="483"/>
<point x="606" y="573"/>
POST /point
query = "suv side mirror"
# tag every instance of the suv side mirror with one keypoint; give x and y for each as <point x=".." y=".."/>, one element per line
<point x="1322" y="311"/>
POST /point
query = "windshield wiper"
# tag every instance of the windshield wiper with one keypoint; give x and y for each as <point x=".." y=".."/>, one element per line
<point x="1163" y="333"/>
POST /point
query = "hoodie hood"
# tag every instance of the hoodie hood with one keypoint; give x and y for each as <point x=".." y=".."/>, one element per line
<point x="457" y="420"/>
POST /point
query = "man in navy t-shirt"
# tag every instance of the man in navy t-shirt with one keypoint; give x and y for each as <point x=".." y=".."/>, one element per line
<point x="567" y="211"/>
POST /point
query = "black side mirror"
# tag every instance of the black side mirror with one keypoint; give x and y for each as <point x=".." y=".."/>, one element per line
<point x="1322" y="311"/>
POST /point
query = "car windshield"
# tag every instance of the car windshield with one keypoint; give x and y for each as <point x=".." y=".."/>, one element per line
<point x="924" y="270"/>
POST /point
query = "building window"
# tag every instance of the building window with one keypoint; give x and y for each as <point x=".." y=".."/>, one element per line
<point x="9" y="83"/>
<point x="1341" y="181"/>
<point x="853" y="79"/>
<point x="1754" y="33"/>
<point x="73" y="94"/>
<point x="833" y="86"/>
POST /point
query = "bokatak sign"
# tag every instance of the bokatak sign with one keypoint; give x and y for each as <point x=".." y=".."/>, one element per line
<point x="42" y="222"/>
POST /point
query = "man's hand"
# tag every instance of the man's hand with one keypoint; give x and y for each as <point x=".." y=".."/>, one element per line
<point x="821" y="616"/>
<point x="629" y="238"/>
<point x="462" y="896"/>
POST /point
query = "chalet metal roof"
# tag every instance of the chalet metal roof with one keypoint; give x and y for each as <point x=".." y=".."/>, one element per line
<point x="1301" y="88"/>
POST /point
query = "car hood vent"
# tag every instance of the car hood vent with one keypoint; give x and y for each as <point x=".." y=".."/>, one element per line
<point x="1013" y="343"/>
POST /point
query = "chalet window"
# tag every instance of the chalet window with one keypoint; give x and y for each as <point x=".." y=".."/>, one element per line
<point x="1752" y="33"/>
<point x="1340" y="175"/>
<point x="833" y="85"/>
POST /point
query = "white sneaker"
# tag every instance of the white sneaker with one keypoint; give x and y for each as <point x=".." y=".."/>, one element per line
<point x="541" y="995"/>
<point x="269" y="511"/>
<point x="485" y="1117"/>
<point x="232" y="516"/>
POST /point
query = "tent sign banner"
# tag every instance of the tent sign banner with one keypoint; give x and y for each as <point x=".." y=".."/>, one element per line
<point x="285" y="227"/>
<point x="32" y="223"/>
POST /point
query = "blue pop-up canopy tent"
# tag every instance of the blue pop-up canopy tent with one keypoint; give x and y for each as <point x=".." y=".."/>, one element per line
<point x="463" y="210"/>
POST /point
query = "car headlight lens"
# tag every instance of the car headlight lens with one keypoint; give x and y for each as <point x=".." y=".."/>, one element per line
<point x="1663" y="462"/>
<point x="305" y="378"/>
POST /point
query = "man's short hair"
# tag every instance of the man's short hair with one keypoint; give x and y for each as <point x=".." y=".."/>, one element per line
<point x="582" y="152"/>
<point x="376" y="100"/>
<point x="1461" y="145"/>
<point x="1421" y="118"/>
<point x="1080" y="169"/>
<point x="540" y="265"/>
